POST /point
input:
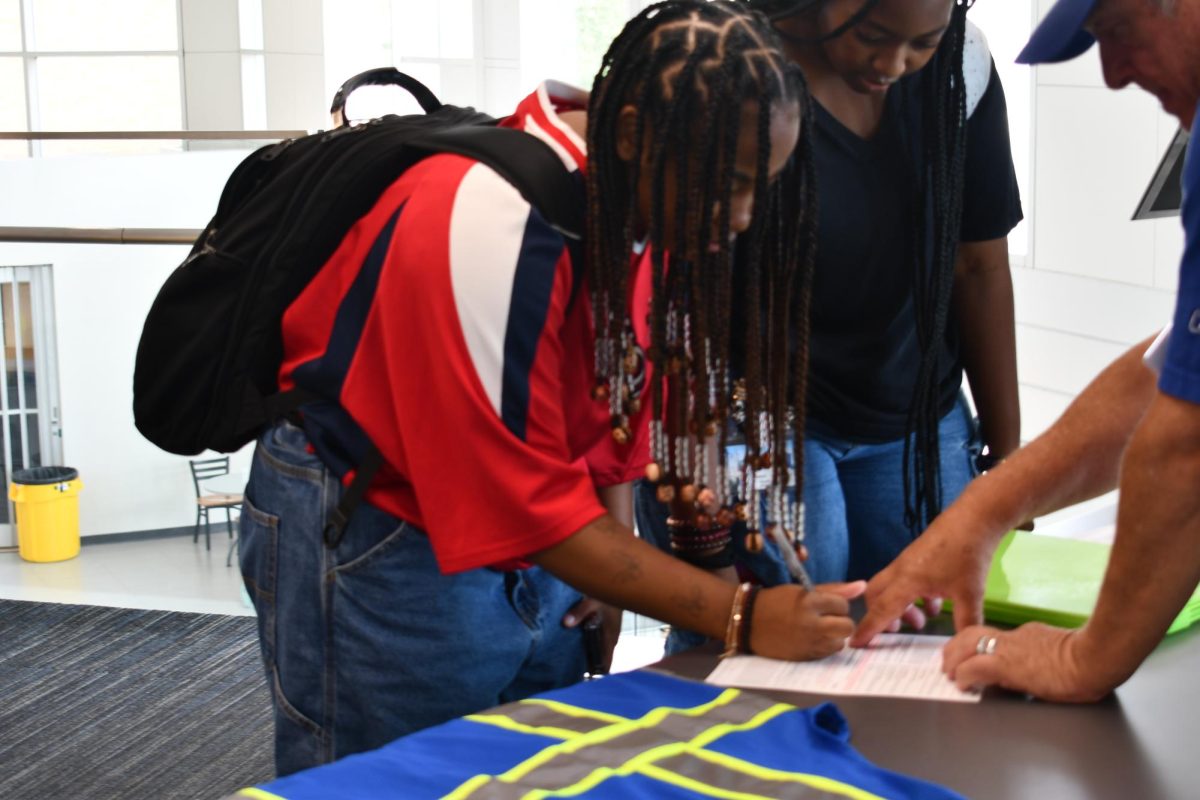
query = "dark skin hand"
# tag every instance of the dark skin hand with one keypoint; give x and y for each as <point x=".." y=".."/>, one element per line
<point x="606" y="561"/>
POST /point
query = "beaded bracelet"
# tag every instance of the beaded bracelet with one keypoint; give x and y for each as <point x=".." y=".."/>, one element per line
<point x="709" y="540"/>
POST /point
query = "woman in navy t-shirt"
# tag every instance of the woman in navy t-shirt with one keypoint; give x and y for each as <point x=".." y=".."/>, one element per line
<point x="917" y="194"/>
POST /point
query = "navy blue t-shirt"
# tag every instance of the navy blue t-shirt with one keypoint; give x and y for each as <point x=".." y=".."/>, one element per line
<point x="863" y="348"/>
<point x="1181" y="372"/>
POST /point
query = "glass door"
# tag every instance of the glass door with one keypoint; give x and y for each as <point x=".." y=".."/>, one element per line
<point x="30" y="431"/>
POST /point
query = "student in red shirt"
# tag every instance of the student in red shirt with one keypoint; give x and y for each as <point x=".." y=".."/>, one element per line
<point x="501" y="370"/>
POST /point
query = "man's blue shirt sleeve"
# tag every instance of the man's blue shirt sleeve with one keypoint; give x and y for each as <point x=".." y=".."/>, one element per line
<point x="1181" y="372"/>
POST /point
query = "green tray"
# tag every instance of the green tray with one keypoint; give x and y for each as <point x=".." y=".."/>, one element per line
<point x="1053" y="580"/>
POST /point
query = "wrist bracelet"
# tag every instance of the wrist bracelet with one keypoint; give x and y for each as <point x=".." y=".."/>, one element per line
<point x="747" y="620"/>
<point x="733" y="628"/>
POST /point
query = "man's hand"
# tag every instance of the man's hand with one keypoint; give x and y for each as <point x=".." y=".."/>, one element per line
<point x="1034" y="658"/>
<point x="951" y="559"/>
<point x="790" y="623"/>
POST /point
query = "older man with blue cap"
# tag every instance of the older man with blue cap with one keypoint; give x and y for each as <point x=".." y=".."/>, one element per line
<point x="1135" y="427"/>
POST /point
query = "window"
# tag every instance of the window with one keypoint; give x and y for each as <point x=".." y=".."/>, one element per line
<point x="113" y="26"/>
<point x="10" y="26"/>
<point x="107" y="93"/>
<point x="12" y="110"/>
<point x="484" y="53"/>
<point x="86" y="67"/>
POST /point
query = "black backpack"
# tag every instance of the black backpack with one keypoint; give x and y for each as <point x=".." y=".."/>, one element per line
<point x="208" y="360"/>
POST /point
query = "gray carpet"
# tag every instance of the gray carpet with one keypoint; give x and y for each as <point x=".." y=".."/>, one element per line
<point x="99" y="703"/>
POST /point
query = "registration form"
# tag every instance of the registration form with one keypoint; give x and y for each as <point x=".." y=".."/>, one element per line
<point x="895" y="665"/>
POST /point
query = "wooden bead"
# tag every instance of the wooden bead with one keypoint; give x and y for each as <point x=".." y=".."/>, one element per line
<point x="653" y="472"/>
<point x="711" y="428"/>
<point x="632" y="362"/>
<point x="754" y="542"/>
<point x="726" y="517"/>
<point x="665" y="493"/>
<point x="688" y="493"/>
<point x="621" y="435"/>
<point x="600" y="392"/>
<point x="764" y="461"/>
<point x="741" y="512"/>
<point x="634" y="405"/>
<point x="707" y="500"/>
<point x="703" y="521"/>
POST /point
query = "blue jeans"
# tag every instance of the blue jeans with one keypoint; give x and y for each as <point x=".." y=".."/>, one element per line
<point x="370" y="641"/>
<point x="853" y="508"/>
<point x="854" y="496"/>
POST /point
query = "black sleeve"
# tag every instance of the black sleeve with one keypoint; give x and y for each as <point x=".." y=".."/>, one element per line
<point x="991" y="199"/>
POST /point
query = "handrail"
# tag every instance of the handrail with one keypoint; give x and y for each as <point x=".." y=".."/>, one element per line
<point x="184" y="135"/>
<point x="100" y="235"/>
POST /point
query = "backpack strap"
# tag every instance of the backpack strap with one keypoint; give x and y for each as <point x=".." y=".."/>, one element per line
<point x="339" y="518"/>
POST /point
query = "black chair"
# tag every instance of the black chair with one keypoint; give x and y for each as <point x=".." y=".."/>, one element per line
<point x="207" y="469"/>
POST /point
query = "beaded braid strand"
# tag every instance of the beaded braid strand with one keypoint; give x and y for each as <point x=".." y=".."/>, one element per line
<point x="701" y="54"/>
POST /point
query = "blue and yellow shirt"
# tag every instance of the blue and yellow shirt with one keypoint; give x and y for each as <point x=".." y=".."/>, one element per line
<point x="635" y="735"/>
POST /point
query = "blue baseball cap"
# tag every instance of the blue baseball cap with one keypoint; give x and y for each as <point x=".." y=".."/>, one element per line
<point x="1060" y="35"/>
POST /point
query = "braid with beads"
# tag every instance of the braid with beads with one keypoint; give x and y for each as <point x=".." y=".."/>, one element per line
<point x="689" y="68"/>
<point x="937" y="209"/>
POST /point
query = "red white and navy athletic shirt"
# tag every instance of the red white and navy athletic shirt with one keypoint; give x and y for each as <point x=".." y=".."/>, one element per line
<point x="452" y="317"/>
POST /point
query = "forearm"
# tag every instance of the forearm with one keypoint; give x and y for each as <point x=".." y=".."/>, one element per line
<point x="606" y="561"/>
<point x="983" y="300"/>
<point x="1155" y="563"/>
<point x="618" y="502"/>
<point x="1076" y="459"/>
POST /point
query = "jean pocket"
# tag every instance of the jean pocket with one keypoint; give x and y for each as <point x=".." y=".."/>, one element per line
<point x="258" y="557"/>
<point x="355" y="555"/>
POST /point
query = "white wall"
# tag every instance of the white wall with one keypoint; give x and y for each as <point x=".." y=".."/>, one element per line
<point x="101" y="296"/>
<point x="1095" y="282"/>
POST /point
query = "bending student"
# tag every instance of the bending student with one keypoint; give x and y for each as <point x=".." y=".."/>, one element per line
<point x="505" y="415"/>
<point x="1130" y="428"/>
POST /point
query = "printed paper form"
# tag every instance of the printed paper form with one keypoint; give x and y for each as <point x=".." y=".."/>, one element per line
<point x="895" y="665"/>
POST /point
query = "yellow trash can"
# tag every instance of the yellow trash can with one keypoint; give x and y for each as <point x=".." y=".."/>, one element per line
<point x="47" y="501"/>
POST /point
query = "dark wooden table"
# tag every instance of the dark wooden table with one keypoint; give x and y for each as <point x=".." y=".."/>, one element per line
<point x="1142" y="743"/>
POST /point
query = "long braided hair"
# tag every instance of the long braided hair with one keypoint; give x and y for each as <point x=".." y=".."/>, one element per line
<point x="689" y="68"/>
<point x="937" y="218"/>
